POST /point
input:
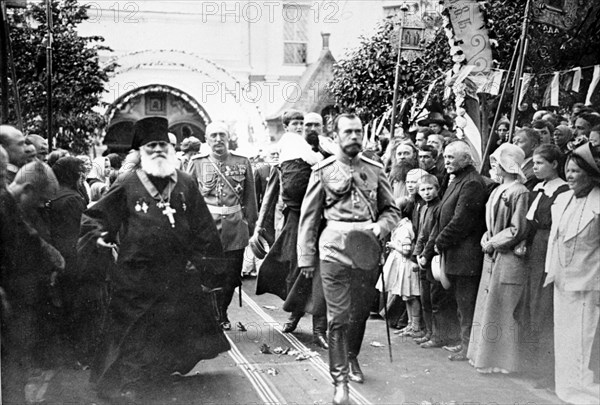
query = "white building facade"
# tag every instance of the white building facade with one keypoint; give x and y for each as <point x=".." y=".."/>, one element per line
<point x="234" y="61"/>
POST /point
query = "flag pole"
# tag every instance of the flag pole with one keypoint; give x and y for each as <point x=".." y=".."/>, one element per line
<point x="492" y="137"/>
<point x="403" y="9"/>
<point x="519" y="70"/>
<point x="50" y="134"/>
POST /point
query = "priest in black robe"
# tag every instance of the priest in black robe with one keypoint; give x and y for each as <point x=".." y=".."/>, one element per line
<point x="160" y="320"/>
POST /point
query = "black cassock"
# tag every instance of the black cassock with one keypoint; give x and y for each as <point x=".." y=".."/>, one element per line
<point x="160" y="320"/>
<point x="279" y="273"/>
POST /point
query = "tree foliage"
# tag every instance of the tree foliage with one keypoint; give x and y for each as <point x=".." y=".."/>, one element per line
<point x="78" y="80"/>
<point x="364" y="80"/>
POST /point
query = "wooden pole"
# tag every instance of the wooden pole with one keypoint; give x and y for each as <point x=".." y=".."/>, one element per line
<point x="13" y="71"/>
<point x="492" y="137"/>
<point x="404" y="9"/>
<point x="50" y="134"/>
<point x="519" y="70"/>
<point x="3" y="68"/>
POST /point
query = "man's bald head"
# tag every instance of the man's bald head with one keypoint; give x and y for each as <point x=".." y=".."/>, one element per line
<point x="457" y="156"/>
<point x="13" y="142"/>
<point x="34" y="185"/>
<point x="41" y="146"/>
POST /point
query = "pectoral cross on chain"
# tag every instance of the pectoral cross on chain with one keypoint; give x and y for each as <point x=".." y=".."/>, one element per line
<point x="168" y="211"/>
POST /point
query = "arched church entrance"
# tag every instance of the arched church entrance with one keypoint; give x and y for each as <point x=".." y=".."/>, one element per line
<point x="191" y="91"/>
<point x="186" y="116"/>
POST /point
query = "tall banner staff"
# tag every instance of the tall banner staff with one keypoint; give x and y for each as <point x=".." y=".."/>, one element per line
<point x="523" y="45"/>
<point x="492" y="138"/>
<point x="404" y="9"/>
<point x="49" y="75"/>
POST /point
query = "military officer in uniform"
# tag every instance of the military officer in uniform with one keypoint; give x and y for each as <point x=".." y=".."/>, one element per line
<point x="351" y="192"/>
<point x="227" y="184"/>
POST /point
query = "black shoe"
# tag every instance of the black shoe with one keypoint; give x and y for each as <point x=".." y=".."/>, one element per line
<point x="321" y="340"/>
<point x="355" y="374"/>
<point x="290" y="325"/>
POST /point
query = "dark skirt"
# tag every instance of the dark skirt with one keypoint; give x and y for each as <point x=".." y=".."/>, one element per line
<point x="279" y="274"/>
<point x="280" y="269"/>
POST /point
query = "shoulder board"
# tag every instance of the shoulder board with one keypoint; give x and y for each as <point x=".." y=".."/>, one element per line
<point x="239" y="155"/>
<point x="371" y="161"/>
<point x="199" y="156"/>
<point x="324" y="162"/>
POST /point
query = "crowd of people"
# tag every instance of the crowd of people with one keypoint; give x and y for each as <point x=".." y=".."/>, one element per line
<point x="128" y="264"/>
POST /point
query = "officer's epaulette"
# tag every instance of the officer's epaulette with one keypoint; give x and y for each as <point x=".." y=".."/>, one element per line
<point x="234" y="153"/>
<point x="324" y="162"/>
<point x="199" y="156"/>
<point x="371" y="161"/>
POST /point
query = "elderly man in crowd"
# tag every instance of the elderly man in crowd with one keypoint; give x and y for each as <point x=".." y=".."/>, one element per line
<point x="227" y="184"/>
<point x="157" y="313"/>
<point x="41" y="146"/>
<point x="28" y="264"/>
<point x="461" y="223"/>
<point x="352" y="193"/>
<point x="13" y="142"/>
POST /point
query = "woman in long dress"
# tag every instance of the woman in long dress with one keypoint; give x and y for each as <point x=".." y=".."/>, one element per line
<point x="573" y="264"/>
<point x="494" y="335"/>
<point x="536" y="302"/>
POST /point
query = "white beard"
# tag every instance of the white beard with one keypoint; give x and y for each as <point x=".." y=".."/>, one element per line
<point x="159" y="167"/>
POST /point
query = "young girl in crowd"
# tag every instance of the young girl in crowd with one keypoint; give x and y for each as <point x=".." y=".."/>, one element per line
<point x="494" y="346"/>
<point x="536" y="301"/>
<point x="401" y="270"/>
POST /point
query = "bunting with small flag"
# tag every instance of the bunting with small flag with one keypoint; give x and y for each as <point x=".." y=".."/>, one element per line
<point x="576" y="80"/>
<point x="595" y="80"/>
<point x="552" y="91"/>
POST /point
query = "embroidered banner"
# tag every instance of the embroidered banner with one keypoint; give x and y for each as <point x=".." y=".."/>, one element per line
<point x="469" y="27"/>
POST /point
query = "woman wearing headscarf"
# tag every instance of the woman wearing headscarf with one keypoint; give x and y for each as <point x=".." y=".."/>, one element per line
<point x="64" y="219"/>
<point x="494" y="346"/>
<point x="502" y="130"/>
<point x="573" y="264"/>
<point x="98" y="177"/>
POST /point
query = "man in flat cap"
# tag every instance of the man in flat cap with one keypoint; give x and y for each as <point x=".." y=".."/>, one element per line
<point x="227" y="184"/>
<point x="351" y="192"/>
<point x="159" y="320"/>
<point x="189" y="147"/>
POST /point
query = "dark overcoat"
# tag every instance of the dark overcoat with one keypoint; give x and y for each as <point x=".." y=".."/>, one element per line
<point x="461" y="223"/>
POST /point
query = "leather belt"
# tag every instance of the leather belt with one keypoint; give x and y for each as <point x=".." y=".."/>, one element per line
<point x="217" y="210"/>
<point x="347" y="226"/>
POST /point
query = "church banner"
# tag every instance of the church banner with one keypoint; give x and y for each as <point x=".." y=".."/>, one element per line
<point x="470" y="32"/>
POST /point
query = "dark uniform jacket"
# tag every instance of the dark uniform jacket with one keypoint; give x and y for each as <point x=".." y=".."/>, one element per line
<point x="342" y="190"/>
<point x="238" y="191"/>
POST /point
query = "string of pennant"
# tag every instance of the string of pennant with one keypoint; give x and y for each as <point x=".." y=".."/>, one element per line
<point x="491" y="83"/>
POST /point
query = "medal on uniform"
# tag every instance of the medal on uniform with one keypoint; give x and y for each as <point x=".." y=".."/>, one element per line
<point x="183" y="205"/>
<point x="145" y="207"/>
<point x="138" y="207"/>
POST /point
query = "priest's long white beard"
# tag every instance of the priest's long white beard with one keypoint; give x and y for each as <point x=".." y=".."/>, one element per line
<point x="159" y="166"/>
